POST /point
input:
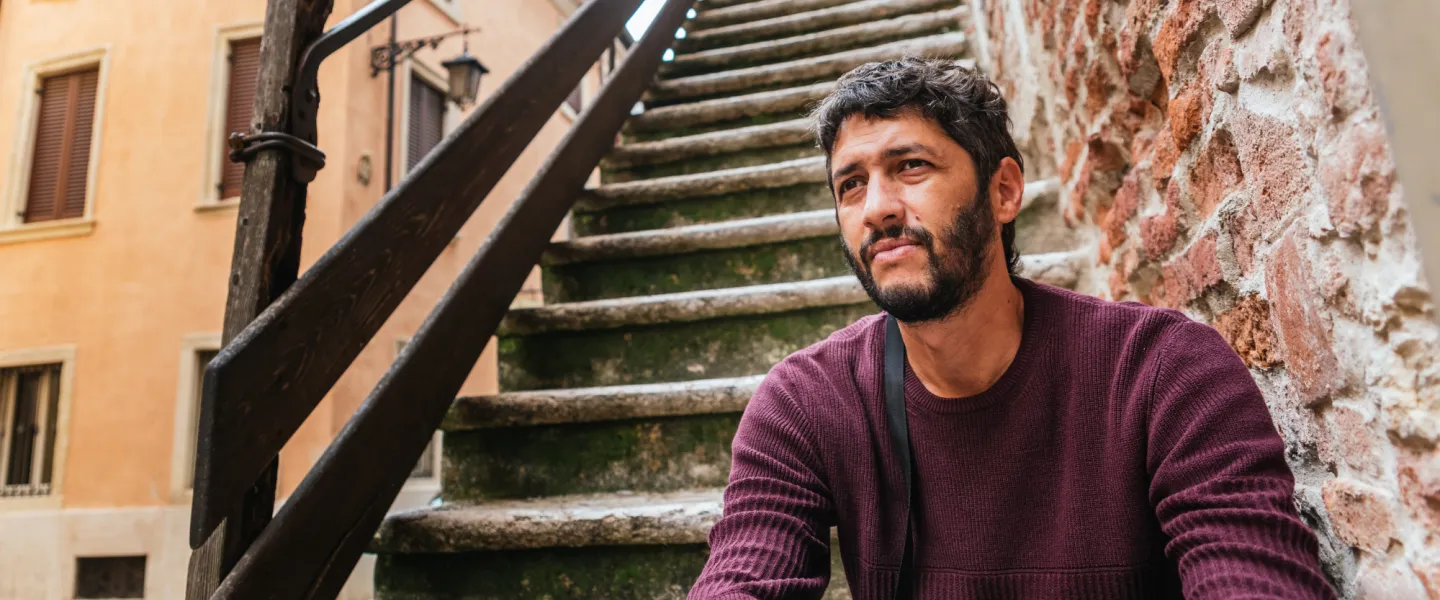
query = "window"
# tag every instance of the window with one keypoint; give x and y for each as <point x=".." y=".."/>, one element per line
<point x="426" y="121"/>
<point x="110" y="577"/>
<point x="29" y="412"/>
<point x="196" y="352"/>
<point x="243" y="61"/>
<point x="60" y="157"/>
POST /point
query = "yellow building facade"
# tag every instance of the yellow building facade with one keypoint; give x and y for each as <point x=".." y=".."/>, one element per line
<point x="116" y="232"/>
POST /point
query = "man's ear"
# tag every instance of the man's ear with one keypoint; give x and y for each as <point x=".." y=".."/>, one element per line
<point x="1007" y="190"/>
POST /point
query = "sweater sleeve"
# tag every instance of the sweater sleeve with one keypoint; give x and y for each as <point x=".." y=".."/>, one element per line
<point x="1219" y="482"/>
<point x="773" y="541"/>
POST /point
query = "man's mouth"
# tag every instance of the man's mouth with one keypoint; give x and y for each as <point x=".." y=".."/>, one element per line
<point x="892" y="249"/>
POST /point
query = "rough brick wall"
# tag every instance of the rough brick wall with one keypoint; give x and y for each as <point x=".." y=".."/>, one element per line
<point x="1227" y="158"/>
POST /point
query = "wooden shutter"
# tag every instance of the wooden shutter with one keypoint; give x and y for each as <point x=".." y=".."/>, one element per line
<point x="60" y="161"/>
<point x="239" y="107"/>
<point x="427" y="121"/>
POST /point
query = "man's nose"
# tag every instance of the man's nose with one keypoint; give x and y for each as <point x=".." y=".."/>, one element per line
<point x="882" y="205"/>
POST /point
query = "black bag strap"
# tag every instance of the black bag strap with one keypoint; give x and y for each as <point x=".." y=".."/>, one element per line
<point x="899" y="436"/>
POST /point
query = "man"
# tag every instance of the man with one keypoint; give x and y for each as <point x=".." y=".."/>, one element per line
<point x="1060" y="446"/>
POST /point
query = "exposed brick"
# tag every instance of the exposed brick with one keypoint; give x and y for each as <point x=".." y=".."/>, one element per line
<point x="1274" y="165"/>
<point x="1302" y="322"/>
<point x="1239" y="15"/>
<point x="1388" y="581"/>
<point x="1342" y="74"/>
<point x="1186" y="116"/>
<point x="1092" y="16"/>
<point x="1099" y="87"/>
<point x="1244" y="233"/>
<point x="1158" y="234"/>
<point x="1190" y="274"/>
<point x="1352" y="441"/>
<point x="1361" y="514"/>
<point x="1217" y="66"/>
<point x="1176" y="34"/>
<point x="1247" y="328"/>
<point x="1165" y="156"/>
<point x="1215" y="174"/>
<point x="1072" y="154"/>
<point x="1429" y="574"/>
<point x="1419" y="475"/>
<point x="1122" y="209"/>
<point x="1358" y="176"/>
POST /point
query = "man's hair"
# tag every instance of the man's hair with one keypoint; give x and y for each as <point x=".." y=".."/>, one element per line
<point x="963" y="101"/>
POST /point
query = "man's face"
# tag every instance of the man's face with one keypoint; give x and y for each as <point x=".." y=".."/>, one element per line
<point x="916" y="224"/>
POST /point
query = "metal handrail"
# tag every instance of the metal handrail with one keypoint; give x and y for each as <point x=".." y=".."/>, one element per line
<point x="270" y="377"/>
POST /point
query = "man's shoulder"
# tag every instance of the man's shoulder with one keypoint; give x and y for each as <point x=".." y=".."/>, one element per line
<point x="1086" y="316"/>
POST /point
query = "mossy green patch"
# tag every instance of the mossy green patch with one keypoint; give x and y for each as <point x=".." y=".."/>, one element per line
<point x="644" y="455"/>
<point x="707" y="209"/>
<point x="711" y="162"/>
<point x="602" y="573"/>
<point x="796" y="260"/>
<point x="759" y="119"/>
<point x="727" y="347"/>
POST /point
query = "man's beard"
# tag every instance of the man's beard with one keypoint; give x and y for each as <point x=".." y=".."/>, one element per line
<point x="956" y="276"/>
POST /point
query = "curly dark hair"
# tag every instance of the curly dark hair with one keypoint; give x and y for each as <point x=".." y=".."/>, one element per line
<point x="966" y="104"/>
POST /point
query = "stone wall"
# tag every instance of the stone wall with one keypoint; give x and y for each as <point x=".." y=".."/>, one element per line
<point x="1227" y="158"/>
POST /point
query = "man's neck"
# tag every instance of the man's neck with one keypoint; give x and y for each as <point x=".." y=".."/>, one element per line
<point x="967" y="352"/>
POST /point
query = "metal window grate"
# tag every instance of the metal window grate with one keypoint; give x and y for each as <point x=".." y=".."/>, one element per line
<point x="29" y="411"/>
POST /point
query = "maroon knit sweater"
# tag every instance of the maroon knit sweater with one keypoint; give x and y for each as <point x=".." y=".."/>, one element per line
<point x="1125" y="453"/>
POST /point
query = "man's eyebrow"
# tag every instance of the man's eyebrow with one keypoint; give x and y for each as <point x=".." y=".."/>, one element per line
<point x="907" y="149"/>
<point x="843" y="171"/>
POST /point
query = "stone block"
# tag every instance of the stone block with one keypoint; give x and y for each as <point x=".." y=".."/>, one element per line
<point x="1389" y="581"/>
<point x="1187" y="115"/>
<point x="1248" y="330"/>
<point x="1302" y="322"/>
<point x="1360" y="514"/>
<point x="1178" y="31"/>
<point x="1358" y="176"/>
<point x="1342" y="73"/>
<point x="1215" y="174"/>
<point x="1190" y="274"/>
<point x="1158" y="234"/>
<point x="1239" y="15"/>
<point x="1276" y="169"/>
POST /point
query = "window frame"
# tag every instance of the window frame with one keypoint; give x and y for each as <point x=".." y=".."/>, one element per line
<point x="12" y="199"/>
<point x="65" y="357"/>
<point x="187" y="413"/>
<point x="405" y="73"/>
<point x="217" y="104"/>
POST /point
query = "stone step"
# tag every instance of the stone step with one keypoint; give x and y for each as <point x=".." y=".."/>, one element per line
<point x="578" y="521"/>
<point x="755" y="137"/>
<point x="755" y="11"/>
<point x="731" y="332"/>
<point x="683" y="307"/>
<point x="810" y="44"/>
<point x="798" y="23"/>
<point x="714" y="183"/>
<point x="682" y="119"/>
<point x="610" y="403"/>
<point x="705" y="5"/>
<point x="946" y="45"/>
<point x="771" y="249"/>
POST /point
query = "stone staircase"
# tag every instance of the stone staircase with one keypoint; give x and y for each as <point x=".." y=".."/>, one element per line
<point x="708" y="253"/>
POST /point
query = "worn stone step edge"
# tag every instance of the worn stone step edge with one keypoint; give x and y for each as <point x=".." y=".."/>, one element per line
<point x="945" y="45"/>
<point x="810" y="43"/>
<point x="610" y="403"/>
<point x="684" y="307"/>
<point x="729" y="108"/>
<point x="739" y="233"/>
<point x="710" y="183"/>
<point x="615" y="519"/>
<point x="805" y="22"/>
<point x="770" y="135"/>
<point x="1060" y="269"/>
<point x="755" y="11"/>
<point x="705" y="5"/>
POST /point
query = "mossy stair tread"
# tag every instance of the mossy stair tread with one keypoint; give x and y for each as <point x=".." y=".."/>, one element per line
<point x="796" y="23"/>
<point x="684" y="307"/>
<point x="612" y="519"/>
<point x="729" y="108"/>
<point x="769" y="51"/>
<point x="693" y="238"/>
<point x="586" y="405"/>
<point x="705" y="5"/>
<point x="948" y="45"/>
<point x="755" y="137"/>
<point x="710" y="183"/>
<point x="755" y="11"/>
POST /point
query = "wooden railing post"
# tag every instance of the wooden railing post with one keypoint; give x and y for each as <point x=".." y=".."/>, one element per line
<point x="266" y="261"/>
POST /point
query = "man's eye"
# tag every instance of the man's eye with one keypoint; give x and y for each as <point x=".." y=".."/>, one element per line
<point x="913" y="163"/>
<point x="849" y="184"/>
